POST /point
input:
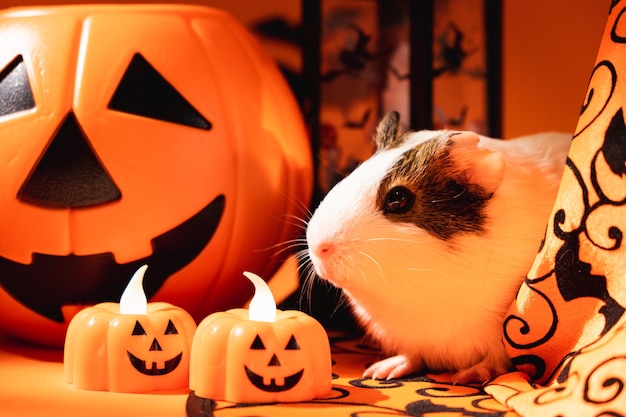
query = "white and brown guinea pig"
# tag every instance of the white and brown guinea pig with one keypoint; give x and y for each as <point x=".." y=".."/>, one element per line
<point x="431" y="238"/>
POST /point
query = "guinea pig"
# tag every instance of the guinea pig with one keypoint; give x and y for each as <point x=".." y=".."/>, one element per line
<point x="431" y="238"/>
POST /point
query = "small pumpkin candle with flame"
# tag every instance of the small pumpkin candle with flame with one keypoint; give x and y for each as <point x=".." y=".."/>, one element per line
<point x="260" y="354"/>
<point x="133" y="346"/>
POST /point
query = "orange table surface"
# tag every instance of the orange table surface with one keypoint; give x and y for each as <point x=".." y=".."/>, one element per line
<point x="31" y="384"/>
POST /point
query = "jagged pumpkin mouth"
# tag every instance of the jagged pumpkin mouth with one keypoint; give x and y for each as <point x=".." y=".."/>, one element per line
<point x="140" y="365"/>
<point x="50" y="282"/>
<point x="289" y="382"/>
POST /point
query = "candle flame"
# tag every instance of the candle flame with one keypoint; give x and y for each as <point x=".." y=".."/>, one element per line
<point x="133" y="300"/>
<point x="262" y="306"/>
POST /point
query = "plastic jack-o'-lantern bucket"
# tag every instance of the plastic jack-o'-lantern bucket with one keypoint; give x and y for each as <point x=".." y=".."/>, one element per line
<point x="139" y="134"/>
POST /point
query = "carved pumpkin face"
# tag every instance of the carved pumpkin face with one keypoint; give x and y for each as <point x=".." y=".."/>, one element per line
<point x="135" y="135"/>
<point x="109" y="351"/>
<point x="241" y="360"/>
<point x="289" y="374"/>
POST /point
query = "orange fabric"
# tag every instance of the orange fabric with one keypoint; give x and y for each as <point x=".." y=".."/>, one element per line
<point x="566" y="330"/>
<point x="31" y="384"/>
<point x="591" y="384"/>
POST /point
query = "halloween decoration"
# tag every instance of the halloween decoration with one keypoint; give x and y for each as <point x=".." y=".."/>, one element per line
<point x="261" y="354"/>
<point x="565" y="330"/>
<point x="133" y="346"/>
<point x="137" y="134"/>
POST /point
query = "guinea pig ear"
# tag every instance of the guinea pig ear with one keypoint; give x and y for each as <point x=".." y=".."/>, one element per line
<point x="388" y="131"/>
<point x="483" y="167"/>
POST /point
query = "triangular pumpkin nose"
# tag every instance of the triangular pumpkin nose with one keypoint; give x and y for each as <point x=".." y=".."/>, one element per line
<point x="274" y="361"/>
<point x="155" y="346"/>
<point x="69" y="174"/>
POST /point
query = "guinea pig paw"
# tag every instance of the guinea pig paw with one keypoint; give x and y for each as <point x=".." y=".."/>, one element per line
<point x="393" y="367"/>
<point x="479" y="373"/>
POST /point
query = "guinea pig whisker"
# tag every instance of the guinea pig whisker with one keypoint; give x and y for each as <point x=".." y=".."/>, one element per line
<point x="392" y="239"/>
<point x="302" y="255"/>
<point x="307" y="291"/>
<point x="454" y="197"/>
<point x="308" y="274"/>
<point x="419" y="270"/>
<point x="343" y="300"/>
<point x="286" y="246"/>
<point x="380" y="269"/>
<point x="297" y="221"/>
<point x="304" y="208"/>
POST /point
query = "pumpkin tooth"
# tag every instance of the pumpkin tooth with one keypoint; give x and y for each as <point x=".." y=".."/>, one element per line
<point x="155" y="365"/>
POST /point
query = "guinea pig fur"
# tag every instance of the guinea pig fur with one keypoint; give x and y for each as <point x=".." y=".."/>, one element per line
<point x="431" y="238"/>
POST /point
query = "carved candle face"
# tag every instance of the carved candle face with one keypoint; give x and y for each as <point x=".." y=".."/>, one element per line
<point x="129" y="347"/>
<point x="261" y="354"/>
<point x="284" y="366"/>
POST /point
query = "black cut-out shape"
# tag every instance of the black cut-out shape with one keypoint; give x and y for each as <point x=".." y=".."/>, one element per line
<point x="140" y="365"/>
<point x="171" y="329"/>
<point x="15" y="91"/>
<point x="531" y="362"/>
<point x="144" y="92"/>
<point x="257" y="380"/>
<point x="200" y="407"/>
<point x="370" y="383"/>
<point x="615" y="37"/>
<point x="292" y="344"/>
<point x="96" y="278"/>
<point x="614" y="145"/>
<point x="613" y="4"/>
<point x="599" y="101"/>
<point x="138" y="330"/>
<point x="575" y="280"/>
<point x="426" y="407"/>
<point x="69" y="174"/>
<point x="274" y="361"/>
<point x="155" y="346"/>
<point x="257" y="344"/>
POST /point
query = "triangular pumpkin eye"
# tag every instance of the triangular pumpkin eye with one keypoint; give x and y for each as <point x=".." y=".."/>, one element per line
<point x="171" y="329"/>
<point x="69" y="173"/>
<point x="292" y="344"/>
<point x="15" y="92"/>
<point x="138" y="330"/>
<point x="257" y="344"/>
<point x="144" y="92"/>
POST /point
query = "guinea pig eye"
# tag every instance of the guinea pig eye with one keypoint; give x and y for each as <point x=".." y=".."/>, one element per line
<point x="399" y="200"/>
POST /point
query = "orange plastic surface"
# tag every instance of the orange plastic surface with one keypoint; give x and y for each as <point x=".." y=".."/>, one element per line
<point x="241" y="360"/>
<point x="109" y="351"/>
<point x="256" y="153"/>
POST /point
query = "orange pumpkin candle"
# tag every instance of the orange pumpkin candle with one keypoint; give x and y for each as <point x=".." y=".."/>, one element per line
<point x="261" y="354"/>
<point x="133" y="346"/>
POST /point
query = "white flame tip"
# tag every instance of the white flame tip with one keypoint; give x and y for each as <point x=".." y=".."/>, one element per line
<point x="262" y="306"/>
<point x="133" y="299"/>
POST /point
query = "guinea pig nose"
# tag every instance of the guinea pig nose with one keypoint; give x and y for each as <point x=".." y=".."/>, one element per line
<point x="324" y="249"/>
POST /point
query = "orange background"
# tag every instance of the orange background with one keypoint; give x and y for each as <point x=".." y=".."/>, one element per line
<point x="549" y="50"/>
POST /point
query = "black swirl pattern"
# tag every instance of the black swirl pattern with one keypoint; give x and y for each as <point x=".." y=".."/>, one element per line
<point x="605" y="383"/>
<point x="597" y="98"/>
<point x="563" y="329"/>
<point x="566" y="331"/>
<point x="417" y="395"/>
